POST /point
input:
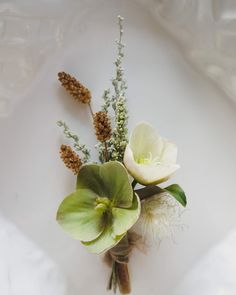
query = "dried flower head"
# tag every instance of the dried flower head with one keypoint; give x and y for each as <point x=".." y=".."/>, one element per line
<point x="160" y="215"/>
<point x="70" y="158"/>
<point x="102" y="126"/>
<point x="74" y="87"/>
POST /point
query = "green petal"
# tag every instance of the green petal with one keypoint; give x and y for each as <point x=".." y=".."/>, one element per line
<point x="119" y="188"/>
<point x="104" y="242"/>
<point x="124" y="219"/>
<point x="109" y="180"/>
<point x="89" y="178"/>
<point x="78" y="217"/>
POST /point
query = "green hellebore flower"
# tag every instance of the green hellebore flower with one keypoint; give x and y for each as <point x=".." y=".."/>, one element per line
<point x="148" y="157"/>
<point x="103" y="207"/>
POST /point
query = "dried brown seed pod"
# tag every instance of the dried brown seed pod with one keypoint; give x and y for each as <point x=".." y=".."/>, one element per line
<point x="74" y="87"/>
<point x="102" y="126"/>
<point x="70" y="158"/>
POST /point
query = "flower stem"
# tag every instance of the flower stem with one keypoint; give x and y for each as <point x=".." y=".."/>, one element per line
<point x="90" y="109"/>
<point x="134" y="183"/>
<point x="112" y="284"/>
<point x="106" y="156"/>
<point x="122" y="273"/>
<point x="148" y="191"/>
<point x="119" y="277"/>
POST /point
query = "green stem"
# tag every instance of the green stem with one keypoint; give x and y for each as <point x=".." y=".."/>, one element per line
<point x="134" y="183"/>
<point x="112" y="284"/>
<point x="148" y="191"/>
<point x="90" y="109"/>
<point x="106" y="156"/>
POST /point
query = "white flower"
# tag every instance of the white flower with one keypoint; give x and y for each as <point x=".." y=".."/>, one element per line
<point x="149" y="158"/>
<point x="160" y="216"/>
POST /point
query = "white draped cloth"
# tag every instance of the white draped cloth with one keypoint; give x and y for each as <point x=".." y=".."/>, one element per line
<point x="32" y="33"/>
<point x="206" y="31"/>
<point x="25" y="268"/>
<point x="213" y="274"/>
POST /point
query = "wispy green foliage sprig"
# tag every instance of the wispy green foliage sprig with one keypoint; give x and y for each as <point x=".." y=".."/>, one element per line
<point x="77" y="145"/>
<point x="116" y="145"/>
<point x="107" y="100"/>
<point x="119" y="137"/>
<point x="118" y="81"/>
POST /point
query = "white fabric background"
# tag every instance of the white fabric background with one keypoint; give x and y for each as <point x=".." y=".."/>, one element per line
<point x="24" y="268"/>
<point x="163" y="89"/>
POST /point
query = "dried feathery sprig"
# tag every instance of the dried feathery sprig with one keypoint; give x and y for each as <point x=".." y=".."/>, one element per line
<point x="70" y="158"/>
<point x="74" y="87"/>
<point x="160" y="215"/>
<point x="102" y="126"/>
<point x="77" y="145"/>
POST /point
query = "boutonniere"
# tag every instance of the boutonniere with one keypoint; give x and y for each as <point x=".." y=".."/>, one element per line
<point x="120" y="198"/>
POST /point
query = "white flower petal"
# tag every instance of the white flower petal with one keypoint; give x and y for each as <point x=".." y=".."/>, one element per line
<point x="169" y="154"/>
<point x="147" y="174"/>
<point x="144" y="139"/>
<point x="149" y="158"/>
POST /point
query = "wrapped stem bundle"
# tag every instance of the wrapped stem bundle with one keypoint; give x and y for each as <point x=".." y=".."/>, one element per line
<point x="120" y="271"/>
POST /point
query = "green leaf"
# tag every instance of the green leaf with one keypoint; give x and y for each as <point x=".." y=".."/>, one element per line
<point x="78" y="217"/>
<point x="124" y="219"/>
<point x="176" y="191"/>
